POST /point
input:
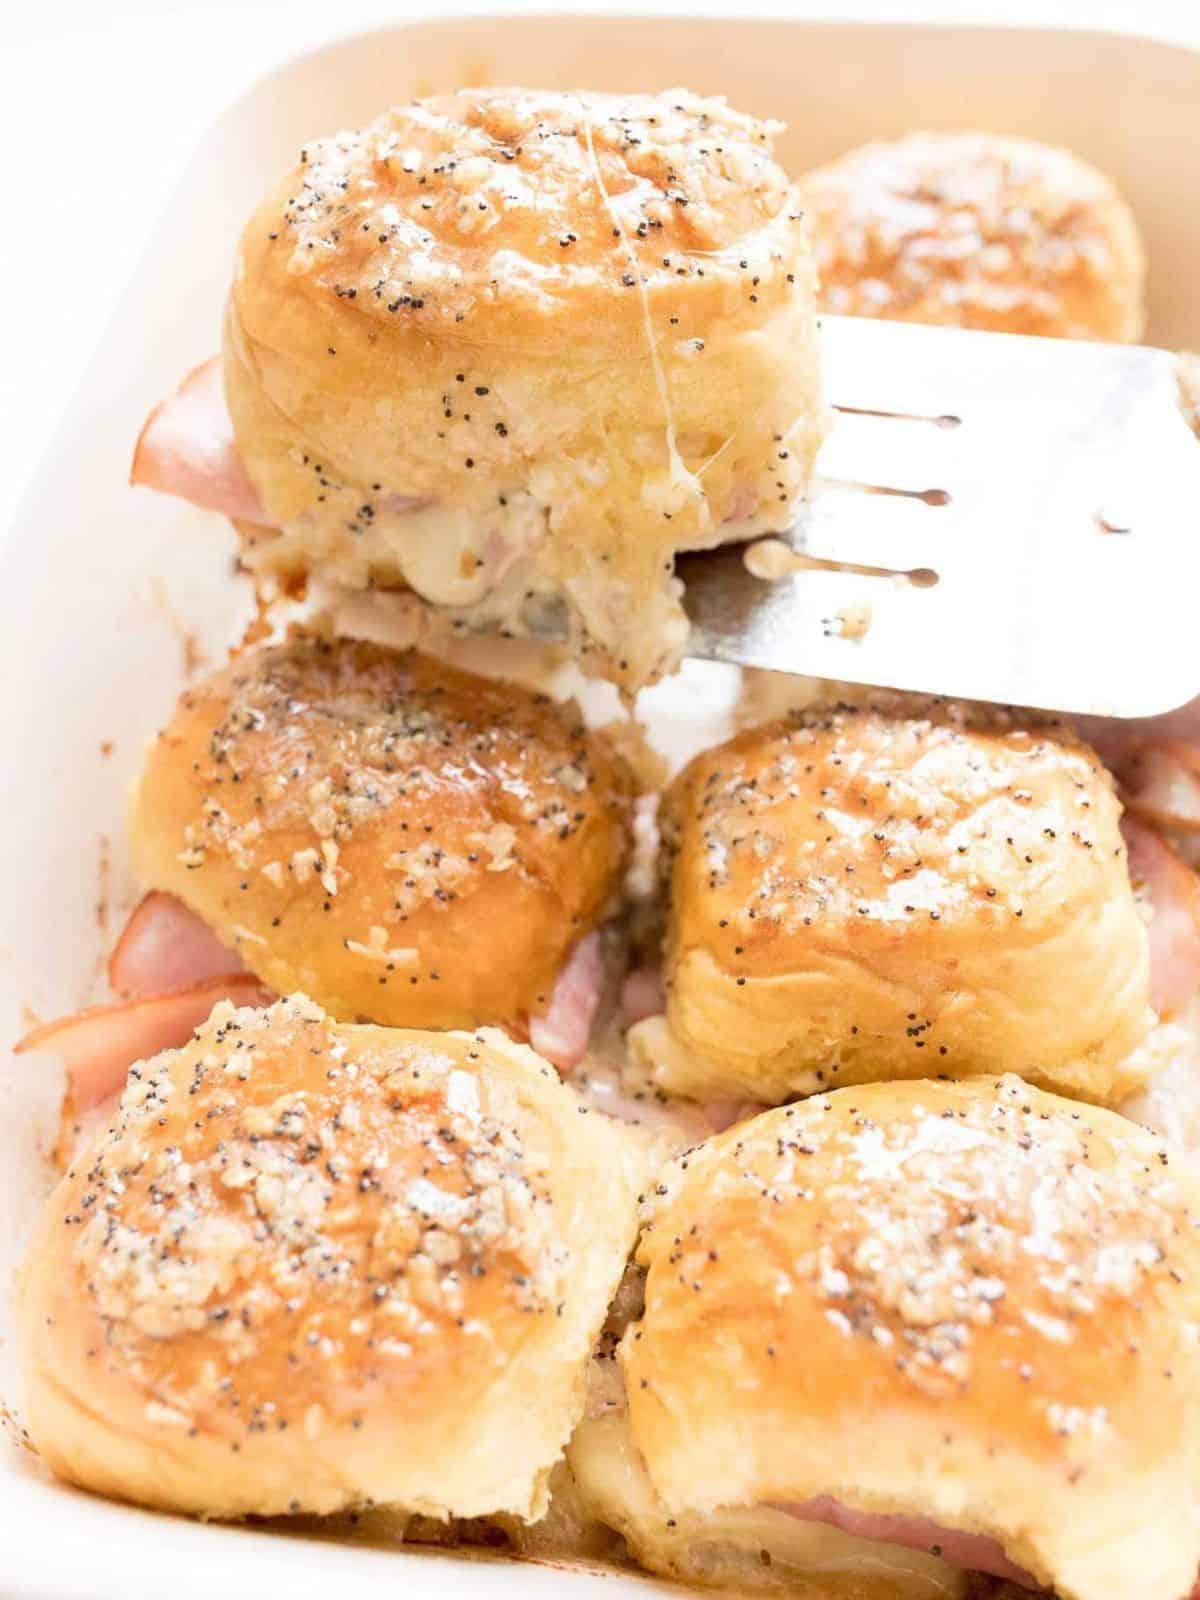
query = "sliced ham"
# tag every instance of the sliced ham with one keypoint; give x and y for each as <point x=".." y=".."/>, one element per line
<point x="1160" y="783"/>
<point x="742" y="504"/>
<point x="186" y="448"/>
<point x="686" y="1123"/>
<point x="164" y="946"/>
<point x="971" y="1552"/>
<point x="642" y="995"/>
<point x="98" y="1045"/>
<point x="1156" y="761"/>
<point x="722" y="1114"/>
<point x="1174" y="892"/>
<point x="400" y="504"/>
<point x="1113" y="736"/>
<point x="561" y="1032"/>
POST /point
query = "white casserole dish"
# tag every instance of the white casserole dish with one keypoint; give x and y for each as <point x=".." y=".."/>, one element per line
<point x="112" y="593"/>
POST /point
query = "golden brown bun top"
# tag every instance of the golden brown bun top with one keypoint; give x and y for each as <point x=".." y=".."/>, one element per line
<point x="935" y="1232"/>
<point x="408" y="843"/>
<point x="495" y="211"/>
<point x="318" y="1120"/>
<point x="884" y="890"/>
<point x="296" y="1233"/>
<point x="853" y="818"/>
<point x="974" y="1302"/>
<point x="977" y="230"/>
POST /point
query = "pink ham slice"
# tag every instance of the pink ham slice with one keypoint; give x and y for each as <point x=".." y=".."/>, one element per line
<point x="561" y="1032"/>
<point x="186" y="448"/>
<point x="1160" y="783"/>
<point x="1174" y="891"/>
<point x="971" y="1552"/>
<point x="722" y="1114"/>
<point x="1113" y="737"/>
<point x="642" y="995"/>
<point x="98" y="1045"/>
<point x="165" y="946"/>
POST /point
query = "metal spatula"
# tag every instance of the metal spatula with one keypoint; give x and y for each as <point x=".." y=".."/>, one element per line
<point x="998" y="518"/>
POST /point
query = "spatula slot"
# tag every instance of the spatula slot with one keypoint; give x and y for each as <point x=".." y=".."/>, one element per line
<point x="772" y="560"/>
<point x="929" y="497"/>
<point x="944" y="421"/>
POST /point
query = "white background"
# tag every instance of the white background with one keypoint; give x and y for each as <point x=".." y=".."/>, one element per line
<point x="101" y="103"/>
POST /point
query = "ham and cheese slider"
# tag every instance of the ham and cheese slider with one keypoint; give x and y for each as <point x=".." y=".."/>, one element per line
<point x="976" y="230"/>
<point x="959" y="1318"/>
<point x="310" y="1267"/>
<point x="513" y="348"/>
<point x="410" y="844"/>
<point x="863" y="893"/>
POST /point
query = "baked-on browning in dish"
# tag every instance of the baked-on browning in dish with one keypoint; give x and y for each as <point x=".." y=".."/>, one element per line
<point x="976" y="230"/>
<point x="509" y="346"/>
<point x="407" y="843"/>
<point x="961" y="1314"/>
<point x="312" y="1266"/>
<point x="862" y="893"/>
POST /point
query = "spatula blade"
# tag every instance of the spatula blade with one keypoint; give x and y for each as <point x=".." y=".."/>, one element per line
<point x="1052" y="486"/>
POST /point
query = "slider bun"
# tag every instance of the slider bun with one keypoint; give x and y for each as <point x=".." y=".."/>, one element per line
<point x="974" y="1303"/>
<point x="450" y="365"/>
<point x="312" y="1266"/>
<point x="976" y="230"/>
<point x="859" y="895"/>
<point x="407" y="843"/>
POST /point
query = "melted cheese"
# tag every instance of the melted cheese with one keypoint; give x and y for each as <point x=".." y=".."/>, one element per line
<point x="745" y="1548"/>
